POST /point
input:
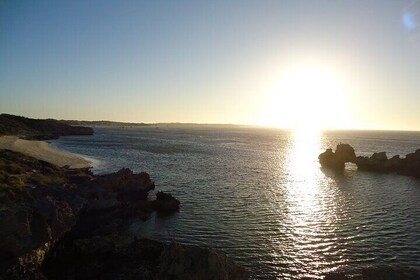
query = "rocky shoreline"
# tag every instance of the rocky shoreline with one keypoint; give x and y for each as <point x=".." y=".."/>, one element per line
<point x="378" y="162"/>
<point x="61" y="223"/>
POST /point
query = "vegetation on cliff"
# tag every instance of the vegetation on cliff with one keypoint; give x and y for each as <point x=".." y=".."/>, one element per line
<point x="38" y="128"/>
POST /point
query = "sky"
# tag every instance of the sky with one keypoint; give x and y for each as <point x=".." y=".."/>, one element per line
<point x="327" y="64"/>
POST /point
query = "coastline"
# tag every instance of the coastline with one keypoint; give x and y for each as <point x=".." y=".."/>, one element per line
<point x="95" y="164"/>
<point x="44" y="151"/>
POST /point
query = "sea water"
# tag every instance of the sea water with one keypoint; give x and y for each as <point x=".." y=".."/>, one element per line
<point x="260" y="195"/>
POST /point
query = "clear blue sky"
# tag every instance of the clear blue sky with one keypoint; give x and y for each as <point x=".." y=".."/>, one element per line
<point x="209" y="61"/>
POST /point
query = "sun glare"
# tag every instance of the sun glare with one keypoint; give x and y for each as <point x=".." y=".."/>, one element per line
<point x="306" y="97"/>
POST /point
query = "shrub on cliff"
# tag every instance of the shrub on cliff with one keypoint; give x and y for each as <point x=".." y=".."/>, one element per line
<point x="15" y="181"/>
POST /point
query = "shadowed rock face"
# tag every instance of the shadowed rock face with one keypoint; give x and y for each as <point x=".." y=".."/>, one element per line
<point x="193" y="262"/>
<point x="113" y="257"/>
<point x="378" y="162"/>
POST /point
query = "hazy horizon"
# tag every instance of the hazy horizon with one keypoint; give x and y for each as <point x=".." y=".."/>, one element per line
<point x="286" y="64"/>
<point x="227" y="125"/>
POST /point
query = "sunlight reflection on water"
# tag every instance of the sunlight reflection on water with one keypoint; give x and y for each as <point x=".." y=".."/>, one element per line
<point x="310" y="209"/>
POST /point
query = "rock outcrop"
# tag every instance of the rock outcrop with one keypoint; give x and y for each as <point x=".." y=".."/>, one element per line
<point x="165" y="203"/>
<point x="336" y="160"/>
<point x="49" y="214"/>
<point x="378" y="162"/>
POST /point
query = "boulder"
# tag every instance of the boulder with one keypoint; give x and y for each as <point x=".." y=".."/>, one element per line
<point x="165" y="203"/>
<point x="117" y="256"/>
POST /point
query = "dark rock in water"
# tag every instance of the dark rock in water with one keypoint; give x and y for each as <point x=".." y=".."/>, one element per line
<point x="165" y="203"/>
<point x="336" y="160"/>
<point x="378" y="162"/>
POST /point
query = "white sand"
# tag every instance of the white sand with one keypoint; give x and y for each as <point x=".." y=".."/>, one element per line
<point x="41" y="150"/>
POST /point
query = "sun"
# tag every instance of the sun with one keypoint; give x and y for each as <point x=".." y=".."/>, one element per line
<point x="306" y="97"/>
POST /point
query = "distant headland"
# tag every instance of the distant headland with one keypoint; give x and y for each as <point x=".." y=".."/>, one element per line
<point x="39" y="129"/>
<point x="19" y="134"/>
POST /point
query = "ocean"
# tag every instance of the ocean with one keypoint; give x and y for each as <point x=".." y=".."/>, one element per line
<point x="260" y="195"/>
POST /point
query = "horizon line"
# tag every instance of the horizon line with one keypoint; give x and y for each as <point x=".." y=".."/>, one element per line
<point x="247" y="125"/>
<point x="225" y="124"/>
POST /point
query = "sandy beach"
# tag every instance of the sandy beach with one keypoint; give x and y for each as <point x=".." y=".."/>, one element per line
<point x="43" y="151"/>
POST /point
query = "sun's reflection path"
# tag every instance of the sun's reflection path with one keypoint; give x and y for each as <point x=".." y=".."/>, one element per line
<point x="310" y="211"/>
<point x="303" y="153"/>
